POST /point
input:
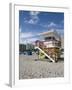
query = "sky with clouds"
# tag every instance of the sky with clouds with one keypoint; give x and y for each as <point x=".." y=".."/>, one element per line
<point x="31" y="23"/>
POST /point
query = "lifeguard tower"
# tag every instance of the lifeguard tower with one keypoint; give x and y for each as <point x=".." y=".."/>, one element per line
<point x="50" y="46"/>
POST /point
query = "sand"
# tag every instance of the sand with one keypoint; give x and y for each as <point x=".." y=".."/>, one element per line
<point x="29" y="68"/>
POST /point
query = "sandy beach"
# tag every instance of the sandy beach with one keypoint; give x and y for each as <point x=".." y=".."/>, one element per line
<point x="30" y="67"/>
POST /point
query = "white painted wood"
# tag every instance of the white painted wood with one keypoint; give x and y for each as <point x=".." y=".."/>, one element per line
<point x="45" y="54"/>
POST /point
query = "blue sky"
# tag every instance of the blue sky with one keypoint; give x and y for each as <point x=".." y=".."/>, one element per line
<point x="31" y="23"/>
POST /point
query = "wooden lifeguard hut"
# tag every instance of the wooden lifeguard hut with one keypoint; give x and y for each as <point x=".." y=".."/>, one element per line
<point x="51" y="45"/>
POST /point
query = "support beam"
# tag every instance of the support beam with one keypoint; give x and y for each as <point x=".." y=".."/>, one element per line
<point x="45" y="53"/>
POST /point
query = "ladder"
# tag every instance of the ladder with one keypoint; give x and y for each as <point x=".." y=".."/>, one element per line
<point x="45" y="53"/>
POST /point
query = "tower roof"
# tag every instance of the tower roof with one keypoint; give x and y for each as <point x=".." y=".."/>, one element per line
<point x="51" y="33"/>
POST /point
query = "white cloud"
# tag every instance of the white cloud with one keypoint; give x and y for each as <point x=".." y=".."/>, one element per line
<point x="33" y="21"/>
<point x="33" y="18"/>
<point x="27" y="37"/>
<point x="60" y="31"/>
<point x="49" y="25"/>
<point x="34" y="13"/>
<point x="52" y="24"/>
<point x="33" y="39"/>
